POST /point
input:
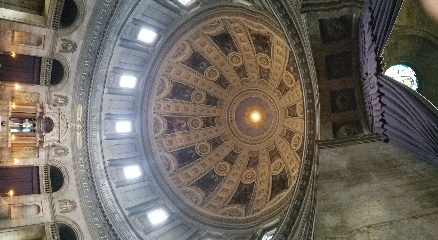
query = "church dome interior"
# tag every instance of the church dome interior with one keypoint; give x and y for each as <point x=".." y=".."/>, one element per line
<point x="221" y="118"/>
<point x="218" y="119"/>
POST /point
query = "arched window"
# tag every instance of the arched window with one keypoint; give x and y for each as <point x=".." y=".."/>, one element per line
<point x="157" y="216"/>
<point x="48" y="125"/>
<point x="127" y="81"/>
<point x="147" y="35"/>
<point x="123" y="126"/>
<point x="132" y="172"/>
<point x="403" y="73"/>
<point x="56" y="178"/>
<point x="66" y="232"/>
<point x="69" y="14"/>
<point x="57" y="73"/>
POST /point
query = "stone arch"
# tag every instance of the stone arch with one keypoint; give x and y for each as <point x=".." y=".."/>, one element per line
<point x="68" y="229"/>
<point x="49" y="125"/>
<point x="60" y="72"/>
<point x="55" y="126"/>
<point x="72" y="16"/>
<point x="59" y="178"/>
<point x="66" y="232"/>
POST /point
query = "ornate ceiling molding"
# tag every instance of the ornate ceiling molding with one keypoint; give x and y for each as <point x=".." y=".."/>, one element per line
<point x="298" y="222"/>
<point x="103" y="213"/>
<point x="94" y="52"/>
<point x="237" y="65"/>
<point x="210" y="85"/>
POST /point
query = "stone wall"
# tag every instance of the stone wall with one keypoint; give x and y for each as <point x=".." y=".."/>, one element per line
<point x="375" y="191"/>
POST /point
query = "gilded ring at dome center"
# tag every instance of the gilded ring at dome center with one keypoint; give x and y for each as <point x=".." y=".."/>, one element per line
<point x="252" y="116"/>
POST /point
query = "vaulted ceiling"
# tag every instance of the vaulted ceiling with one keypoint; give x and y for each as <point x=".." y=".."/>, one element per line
<point x="222" y="119"/>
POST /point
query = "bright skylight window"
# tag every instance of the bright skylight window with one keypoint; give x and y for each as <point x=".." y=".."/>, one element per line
<point x="157" y="216"/>
<point x="185" y="2"/>
<point x="123" y="126"/>
<point x="404" y="74"/>
<point x="128" y="81"/>
<point x="147" y="35"/>
<point x="269" y="235"/>
<point x="132" y="172"/>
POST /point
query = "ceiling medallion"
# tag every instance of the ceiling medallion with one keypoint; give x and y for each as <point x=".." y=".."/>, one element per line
<point x="249" y="103"/>
<point x="229" y="122"/>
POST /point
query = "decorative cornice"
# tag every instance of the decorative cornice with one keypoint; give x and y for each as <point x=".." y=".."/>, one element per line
<point x="325" y="6"/>
<point x="342" y="142"/>
<point x="94" y="214"/>
<point x="301" y="208"/>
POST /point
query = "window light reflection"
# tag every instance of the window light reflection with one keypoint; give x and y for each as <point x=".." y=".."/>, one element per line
<point x="269" y="235"/>
<point x="157" y="216"/>
<point x="128" y="81"/>
<point x="186" y="2"/>
<point x="123" y="126"/>
<point x="147" y="35"/>
<point x="404" y="74"/>
<point x="132" y="172"/>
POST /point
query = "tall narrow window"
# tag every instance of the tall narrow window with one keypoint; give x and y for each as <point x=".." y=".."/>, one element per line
<point x="127" y="81"/>
<point x="56" y="178"/>
<point x="66" y="232"/>
<point x="132" y="172"/>
<point x="123" y="126"/>
<point x="404" y="74"/>
<point x="147" y="35"/>
<point x="69" y="14"/>
<point x="57" y="74"/>
<point x="157" y="216"/>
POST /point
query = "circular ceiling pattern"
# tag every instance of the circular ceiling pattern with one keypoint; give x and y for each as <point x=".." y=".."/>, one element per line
<point x="228" y="120"/>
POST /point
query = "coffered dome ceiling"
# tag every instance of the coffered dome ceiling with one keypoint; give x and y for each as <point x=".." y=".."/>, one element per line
<point x="228" y="120"/>
<point x="222" y="129"/>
